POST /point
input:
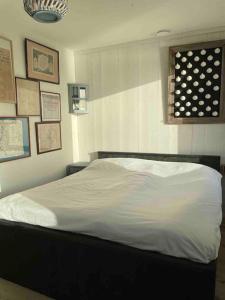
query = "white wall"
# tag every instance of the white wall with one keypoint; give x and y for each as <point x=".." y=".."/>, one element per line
<point x="24" y="173"/>
<point x="128" y="96"/>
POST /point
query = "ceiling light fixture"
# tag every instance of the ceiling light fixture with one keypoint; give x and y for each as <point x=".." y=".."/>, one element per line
<point x="46" y="11"/>
<point x="163" y="32"/>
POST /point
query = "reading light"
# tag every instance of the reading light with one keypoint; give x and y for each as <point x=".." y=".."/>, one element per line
<point x="46" y="11"/>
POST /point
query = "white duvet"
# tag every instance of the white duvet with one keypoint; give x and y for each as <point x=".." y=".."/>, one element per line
<point x="171" y="208"/>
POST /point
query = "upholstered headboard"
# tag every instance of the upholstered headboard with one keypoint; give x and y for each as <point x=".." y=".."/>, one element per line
<point x="207" y="160"/>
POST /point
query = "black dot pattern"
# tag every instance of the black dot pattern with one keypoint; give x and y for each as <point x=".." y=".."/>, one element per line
<point x="198" y="83"/>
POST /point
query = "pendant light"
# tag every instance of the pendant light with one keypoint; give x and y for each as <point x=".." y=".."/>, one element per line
<point x="46" y="11"/>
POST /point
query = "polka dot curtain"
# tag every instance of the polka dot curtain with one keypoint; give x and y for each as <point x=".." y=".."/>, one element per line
<point x="196" y="87"/>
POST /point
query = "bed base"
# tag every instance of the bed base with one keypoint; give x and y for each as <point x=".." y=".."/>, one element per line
<point x="67" y="266"/>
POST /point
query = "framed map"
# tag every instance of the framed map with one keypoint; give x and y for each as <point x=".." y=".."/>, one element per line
<point x="42" y="63"/>
<point x="50" y="107"/>
<point x="14" y="138"/>
<point x="7" y="82"/>
<point x="28" y="97"/>
<point x="48" y="135"/>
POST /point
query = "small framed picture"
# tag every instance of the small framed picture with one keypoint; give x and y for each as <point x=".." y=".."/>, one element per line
<point x="14" y="138"/>
<point x="48" y="135"/>
<point x="7" y="82"/>
<point x="50" y="107"/>
<point x="42" y="63"/>
<point x="28" y="97"/>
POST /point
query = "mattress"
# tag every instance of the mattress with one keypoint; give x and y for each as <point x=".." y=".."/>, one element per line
<point x="167" y="207"/>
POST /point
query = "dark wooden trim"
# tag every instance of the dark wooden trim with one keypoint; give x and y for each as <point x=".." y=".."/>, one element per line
<point x="171" y="85"/>
<point x="29" y="140"/>
<point x="207" y="160"/>
<point x="27" y="79"/>
<point x="26" y="61"/>
<point x="37" y="140"/>
<point x="59" y="106"/>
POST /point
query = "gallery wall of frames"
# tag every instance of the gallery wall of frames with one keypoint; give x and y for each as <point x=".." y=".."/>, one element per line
<point x="42" y="64"/>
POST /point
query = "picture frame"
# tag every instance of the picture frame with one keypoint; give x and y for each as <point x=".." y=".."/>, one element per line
<point x="7" y="86"/>
<point x="50" y="107"/>
<point x="201" y="103"/>
<point x="48" y="136"/>
<point x="28" y="97"/>
<point x="42" y="62"/>
<point x="14" y="138"/>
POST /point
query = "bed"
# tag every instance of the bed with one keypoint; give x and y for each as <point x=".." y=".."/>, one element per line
<point x="80" y="265"/>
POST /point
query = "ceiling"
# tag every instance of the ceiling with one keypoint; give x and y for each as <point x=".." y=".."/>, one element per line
<point x="97" y="23"/>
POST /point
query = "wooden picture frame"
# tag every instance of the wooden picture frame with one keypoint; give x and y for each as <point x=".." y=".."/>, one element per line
<point x="42" y="62"/>
<point x="14" y="138"/>
<point x="172" y="84"/>
<point x="7" y="80"/>
<point x="50" y="107"/>
<point x="48" y="136"/>
<point x="28" y="97"/>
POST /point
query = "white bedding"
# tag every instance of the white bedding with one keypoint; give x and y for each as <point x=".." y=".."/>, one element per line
<point x="171" y="208"/>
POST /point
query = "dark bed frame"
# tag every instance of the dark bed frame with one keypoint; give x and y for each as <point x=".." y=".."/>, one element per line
<point x="65" y="265"/>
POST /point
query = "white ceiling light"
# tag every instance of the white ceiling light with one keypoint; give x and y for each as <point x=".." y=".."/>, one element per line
<point x="46" y="11"/>
<point x="163" y="32"/>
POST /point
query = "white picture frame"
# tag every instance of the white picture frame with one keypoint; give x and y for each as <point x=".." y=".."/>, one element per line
<point x="28" y="97"/>
<point x="50" y="107"/>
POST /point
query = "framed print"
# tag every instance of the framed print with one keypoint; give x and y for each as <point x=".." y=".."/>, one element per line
<point x="7" y="82"/>
<point x="48" y="135"/>
<point x="196" y="83"/>
<point x="42" y="63"/>
<point x="50" y="107"/>
<point x="14" y="138"/>
<point x="28" y="97"/>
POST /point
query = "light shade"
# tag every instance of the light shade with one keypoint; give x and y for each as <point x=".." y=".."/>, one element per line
<point x="46" y="11"/>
